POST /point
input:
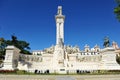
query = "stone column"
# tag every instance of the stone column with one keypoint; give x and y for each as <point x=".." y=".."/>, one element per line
<point x="11" y="58"/>
<point x="59" y="27"/>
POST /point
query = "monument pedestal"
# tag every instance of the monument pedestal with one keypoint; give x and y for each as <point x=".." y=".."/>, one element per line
<point x="109" y="59"/>
<point x="11" y="58"/>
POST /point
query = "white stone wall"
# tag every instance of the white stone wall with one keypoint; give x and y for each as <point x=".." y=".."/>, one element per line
<point x="105" y="60"/>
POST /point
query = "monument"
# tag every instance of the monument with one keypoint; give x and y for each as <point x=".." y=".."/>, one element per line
<point x="60" y="27"/>
<point x="63" y="59"/>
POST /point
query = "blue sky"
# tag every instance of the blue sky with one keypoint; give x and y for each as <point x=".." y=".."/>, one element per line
<point x="87" y="21"/>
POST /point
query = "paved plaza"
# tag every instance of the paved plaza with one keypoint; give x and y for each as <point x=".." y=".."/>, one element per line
<point x="59" y="77"/>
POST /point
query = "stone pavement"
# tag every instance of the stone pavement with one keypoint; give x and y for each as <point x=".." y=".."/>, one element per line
<point x="65" y="78"/>
<point x="60" y="77"/>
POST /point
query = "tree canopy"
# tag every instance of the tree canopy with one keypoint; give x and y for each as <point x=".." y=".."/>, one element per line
<point x="117" y="9"/>
<point x="22" y="45"/>
<point x="2" y="47"/>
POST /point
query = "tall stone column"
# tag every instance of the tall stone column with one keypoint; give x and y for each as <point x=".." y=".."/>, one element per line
<point x="11" y="58"/>
<point x="59" y="27"/>
<point x="59" y="52"/>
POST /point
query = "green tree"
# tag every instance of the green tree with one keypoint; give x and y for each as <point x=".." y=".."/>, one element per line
<point x="2" y="46"/>
<point x="117" y="9"/>
<point x="22" y="45"/>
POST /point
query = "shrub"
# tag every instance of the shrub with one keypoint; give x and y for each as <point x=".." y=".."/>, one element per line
<point x="20" y="72"/>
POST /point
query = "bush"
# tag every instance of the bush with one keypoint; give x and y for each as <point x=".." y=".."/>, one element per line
<point x="20" y="72"/>
<point x="7" y="71"/>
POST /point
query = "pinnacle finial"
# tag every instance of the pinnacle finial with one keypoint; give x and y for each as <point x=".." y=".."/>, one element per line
<point x="59" y="10"/>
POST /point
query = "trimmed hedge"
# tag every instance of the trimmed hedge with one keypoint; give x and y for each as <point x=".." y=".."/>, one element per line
<point x="97" y="72"/>
<point x="7" y="71"/>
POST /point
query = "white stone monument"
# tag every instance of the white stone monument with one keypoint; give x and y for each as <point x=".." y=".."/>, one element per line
<point x="63" y="59"/>
<point x="11" y="58"/>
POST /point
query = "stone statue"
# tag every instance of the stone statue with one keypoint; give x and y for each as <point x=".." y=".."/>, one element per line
<point x="115" y="45"/>
<point x="106" y="42"/>
<point x="59" y="10"/>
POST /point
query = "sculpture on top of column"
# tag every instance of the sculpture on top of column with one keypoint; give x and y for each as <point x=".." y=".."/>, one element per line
<point x="106" y="42"/>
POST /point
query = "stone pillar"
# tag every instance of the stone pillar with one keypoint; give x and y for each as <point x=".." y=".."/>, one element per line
<point x="109" y="59"/>
<point x="59" y="27"/>
<point x="11" y="58"/>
